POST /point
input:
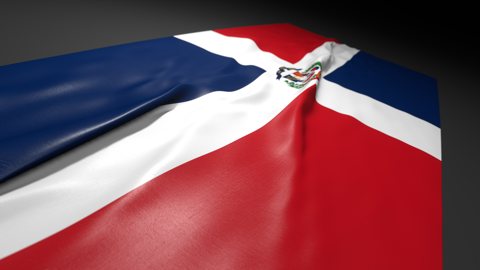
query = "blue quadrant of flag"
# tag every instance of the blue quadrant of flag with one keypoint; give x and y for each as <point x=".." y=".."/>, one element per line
<point x="50" y="105"/>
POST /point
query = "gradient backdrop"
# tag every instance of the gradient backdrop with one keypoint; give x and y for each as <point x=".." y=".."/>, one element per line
<point x="403" y="33"/>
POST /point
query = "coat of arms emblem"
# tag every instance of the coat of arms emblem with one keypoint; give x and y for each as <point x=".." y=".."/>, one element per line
<point x="297" y="78"/>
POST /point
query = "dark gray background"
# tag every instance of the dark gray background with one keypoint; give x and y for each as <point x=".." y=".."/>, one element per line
<point x="433" y="40"/>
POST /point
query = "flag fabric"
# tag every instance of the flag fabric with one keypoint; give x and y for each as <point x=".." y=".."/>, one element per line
<point x="258" y="147"/>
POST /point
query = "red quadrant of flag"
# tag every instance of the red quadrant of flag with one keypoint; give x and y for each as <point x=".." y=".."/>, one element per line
<point x="286" y="41"/>
<point x="313" y="189"/>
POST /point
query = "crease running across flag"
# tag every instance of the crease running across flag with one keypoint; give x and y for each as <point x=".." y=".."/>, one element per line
<point x="257" y="147"/>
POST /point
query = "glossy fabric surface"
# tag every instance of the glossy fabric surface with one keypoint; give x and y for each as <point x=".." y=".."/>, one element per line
<point x="51" y="105"/>
<point x="391" y="84"/>
<point x="343" y="173"/>
<point x="300" y="193"/>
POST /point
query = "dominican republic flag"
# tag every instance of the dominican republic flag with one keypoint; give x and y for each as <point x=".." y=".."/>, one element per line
<point x="259" y="147"/>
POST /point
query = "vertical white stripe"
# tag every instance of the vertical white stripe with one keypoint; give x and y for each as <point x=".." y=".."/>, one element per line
<point x="246" y="52"/>
<point x="34" y="212"/>
<point x="192" y="129"/>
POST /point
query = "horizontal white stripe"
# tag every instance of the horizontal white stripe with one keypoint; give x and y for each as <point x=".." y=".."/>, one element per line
<point x="375" y="114"/>
<point x="384" y="118"/>
<point x="192" y="129"/>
